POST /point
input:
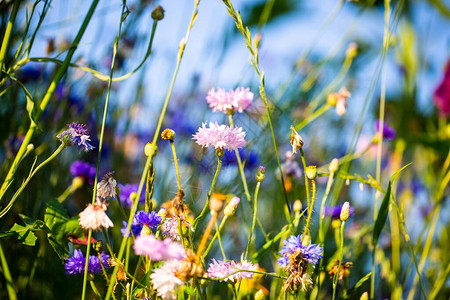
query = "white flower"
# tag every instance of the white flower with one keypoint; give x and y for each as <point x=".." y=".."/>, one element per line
<point x="165" y="281"/>
<point x="94" y="216"/>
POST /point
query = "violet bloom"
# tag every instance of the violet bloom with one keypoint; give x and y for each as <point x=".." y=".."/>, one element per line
<point x="442" y="93"/>
<point x="335" y="212"/>
<point x="220" y="136"/>
<point x="76" y="134"/>
<point x="83" y="169"/>
<point x="388" y="132"/>
<point x="151" y="219"/>
<point x="311" y="252"/>
<point x="230" y="102"/>
<point x="125" y="192"/>
<point x="75" y="264"/>
<point x="229" y="270"/>
<point x="158" y="250"/>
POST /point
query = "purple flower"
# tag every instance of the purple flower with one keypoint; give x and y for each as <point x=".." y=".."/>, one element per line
<point x="388" y="132"/>
<point x="230" y="102"/>
<point x="83" y="169"/>
<point x="249" y="159"/>
<point x="75" y="264"/>
<point x="442" y="92"/>
<point x="335" y="212"/>
<point x="220" y="136"/>
<point x="141" y="218"/>
<point x="158" y="250"/>
<point x="76" y="134"/>
<point x="311" y="252"/>
<point x="125" y="193"/>
<point x="170" y="228"/>
<point x="229" y="270"/>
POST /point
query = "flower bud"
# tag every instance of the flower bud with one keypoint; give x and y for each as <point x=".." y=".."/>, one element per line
<point x="311" y="172"/>
<point x="220" y="152"/>
<point x="158" y="13"/>
<point x="334" y="165"/>
<point x="332" y="99"/>
<point x="260" y="174"/>
<point x="297" y="206"/>
<point x="146" y="230"/>
<point x="345" y="211"/>
<point x="296" y="140"/>
<point x="162" y="213"/>
<point x="231" y="207"/>
<point x="335" y="223"/>
<point x="168" y="134"/>
<point x="77" y="182"/>
<point x="30" y="147"/>
<point x="352" y="50"/>
<point x="133" y="196"/>
<point x="259" y="295"/>
<point x="364" y="296"/>
<point x="150" y="149"/>
<point x="216" y="202"/>
<point x="98" y="246"/>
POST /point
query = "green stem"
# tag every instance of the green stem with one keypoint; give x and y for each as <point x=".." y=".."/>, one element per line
<point x="302" y="154"/>
<point x="341" y="254"/>
<point x="45" y="100"/>
<point x="312" y="117"/>
<point x="215" y="235"/>
<point x="205" y="208"/>
<point x="9" y="283"/>
<point x="255" y="203"/>
<point x="322" y="206"/>
<point x="307" y="230"/>
<point x="220" y="242"/>
<point x="7" y="36"/>
<point x="24" y="184"/>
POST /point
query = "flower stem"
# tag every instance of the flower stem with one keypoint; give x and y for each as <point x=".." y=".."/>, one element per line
<point x="322" y="206"/>
<point x="7" y="36"/>
<point x="206" y="234"/>
<point x="5" y="270"/>
<point x="176" y="163"/>
<point x="255" y="207"/>
<point x="307" y="230"/>
<point x="216" y="235"/>
<point x="341" y="254"/>
<point x="220" y="242"/>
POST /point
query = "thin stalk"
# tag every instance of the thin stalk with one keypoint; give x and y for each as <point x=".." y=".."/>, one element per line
<point x="24" y="184"/>
<point x="322" y="206"/>
<point x="302" y="155"/>
<point x="206" y="234"/>
<point x="205" y="208"/>
<point x="45" y="100"/>
<point x="312" y="117"/>
<point x="220" y="242"/>
<point x="176" y="164"/>
<point x="215" y="235"/>
<point x="7" y="36"/>
<point x="255" y="207"/>
<point x="100" y="146"/>
<point x="341" y="254"/>
<point x="5" y="270"/>
<point x="307" y="230"/>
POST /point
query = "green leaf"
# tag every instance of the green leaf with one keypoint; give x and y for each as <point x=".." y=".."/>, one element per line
<point x="384" y="209"/>
<point x="359" y="283"/>
<point x="24" y="234"/>
<point x="55" y="213"/>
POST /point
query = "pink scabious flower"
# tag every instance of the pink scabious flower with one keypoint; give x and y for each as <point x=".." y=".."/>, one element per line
<point x="170" y="228"/>
<point x="442" y="93"/>
<point x="230" y="102"/>
<point x="158" y="250"/>
<point x="220" y="136"/>
<point x="94" y="216"/>
<point x="229" y="270"/>
<point x="165" y="281"/>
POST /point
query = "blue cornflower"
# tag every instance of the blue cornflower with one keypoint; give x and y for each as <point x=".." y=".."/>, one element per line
<point x="388" y="132"/>
<point x="312" y="252"/>
<point x="141" y="218"/>
<point x="125" y="193"/>
<point x="249" y="158"/>
<point x="335" y="212"/>
<point x="76" y="134"/>
<point x="83" y="169"/>
<point x="75" y="264"/>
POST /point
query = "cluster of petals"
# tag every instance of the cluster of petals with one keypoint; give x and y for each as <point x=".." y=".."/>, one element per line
<point x="311" y="252"/>
<point x="170" y="227"/>
<point x="76" y="134"/>
<point x="94" y="216"/>
<point x="150" y="219"/>
<point x="158" y="250"/>
<point x="106" y="188"/>
<point x="76" y="263"/>
<point x="229" y="270"/>
<point x="388" y="132"/>
<point x="165" y="281"/>
<point x="442" y="93"/>
<point x="233" y="101"/>
<point x="220" y="136"/>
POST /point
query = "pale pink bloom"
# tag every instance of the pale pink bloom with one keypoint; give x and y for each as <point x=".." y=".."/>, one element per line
<point x="231" y="207"/>
<point x="341" y="101"/>
<point x="230" y="102"/>
<point x="94" y="216"/>
<point x="158" y="250"/>
<point x="220" y="136"/>
<point x="229" y="270"/>
<point x="164" y="280"/>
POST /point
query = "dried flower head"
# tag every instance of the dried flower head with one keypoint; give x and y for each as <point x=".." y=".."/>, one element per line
<point x="229" y="102"/>
<point x="220" y="136"/>
<point x="189" y="267"/>
<point x="296" y="140"/>
<point x="344" y="272"/>
<point x="76" y="134"/>
<point x="339" y="100"/>
<point x="106" y="188"/>
<point x="94" y="216"/>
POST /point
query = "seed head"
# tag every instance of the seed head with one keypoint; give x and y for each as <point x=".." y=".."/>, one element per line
<point x="345" y="212"/>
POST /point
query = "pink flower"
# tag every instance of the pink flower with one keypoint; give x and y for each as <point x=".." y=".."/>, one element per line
<point x="94" y="216"/>
<point x="158" y="250"/>
<point x="230" y="102"/>
<point x="442" y="92"/>
<point x="220" y="136"/>
<point x="229" y="270"/>
<point x="165" y="281"/>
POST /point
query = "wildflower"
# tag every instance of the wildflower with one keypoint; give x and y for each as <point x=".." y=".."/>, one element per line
<point x="170" y="227"/>
<point x="126" y="193"/>
<point x="149" y="219"/>
<point x="290" y="167"/>
<point x="442" y="93"/>
<point x="344" y="272"/>
<point x="230" y="102"/>
<point x="76" y="134"/>
<point x="158" y="250"/>
<point x="165" y="281"/>
<point x="388" y="132"/>
<point x="220" y="136"/>
<point x="296" y="140"/>
<point x="231" y="207"/>
<point x="249" y="159"/>
<point x="228" y="271"/>
<point x="106" y="188"/>
<point x="94" y="216"/>
<point x="335" y="212"/>
<point x="339" y="100"/>
<point x="190" y="267"/>
<point x="84" y="170"/>
<point x="311" y="252"/>
<point x="168" y="134"/>
<point x="75" y="264"/>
